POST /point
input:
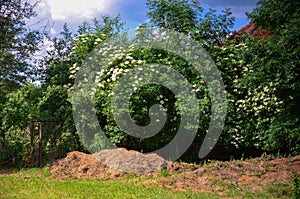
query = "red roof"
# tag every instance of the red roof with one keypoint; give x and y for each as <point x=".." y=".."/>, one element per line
<point x="253" y="30"/>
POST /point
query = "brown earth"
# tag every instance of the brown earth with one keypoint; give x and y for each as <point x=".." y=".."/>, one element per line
<point x="107" y="163"/>
<point x="81" y="165"/>
<point x="253" y="173"/>
<point x="131" y="161"/>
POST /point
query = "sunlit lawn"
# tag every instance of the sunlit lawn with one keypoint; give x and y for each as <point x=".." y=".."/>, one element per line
<point x="36" y="183"/>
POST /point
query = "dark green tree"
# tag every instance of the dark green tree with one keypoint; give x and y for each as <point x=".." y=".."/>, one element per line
<point x="54" y="70"/>
<point x="19" y="108"/>
<point x="55" y="103"/>
<point x="56" y="64"/>
<point x="190" y="18"/>
<point x="178" y="15"/>
<point x="18" y="43"/>
<point x="276" y="58"/>
<point x="106" y="25"/>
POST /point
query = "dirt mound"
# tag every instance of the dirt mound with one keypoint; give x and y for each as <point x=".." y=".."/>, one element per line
<point x="253" y="173"/>
<point x="214" y="176"/>
<point x="131" y="161"/>
<point x="81" y="165"/>
<point x="107" y="163"/>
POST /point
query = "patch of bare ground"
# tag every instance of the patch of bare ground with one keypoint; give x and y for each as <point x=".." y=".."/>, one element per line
<point x="212" y="176"/>
<point x="254" y="174"/>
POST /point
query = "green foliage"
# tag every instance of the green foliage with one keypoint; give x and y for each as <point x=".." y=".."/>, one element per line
<point x="106" y="25"/>
<point x="253" y="102"/>
<point x="187" y="17"/>
<point x="261" y="106"/>
<point x="60" y="137"/>
<point x="214" y="28"/>
<point x="52" y="103"/>
<point x="17" y="42"/>
<point x="261" y="79"/>
<point x="40" y="104"/>
<point x="295" y="185"/>
<point x="54" y="68"/>
<point x="281" y="18"/>
<point x="120" y="64"/>
<point x="179" y="15"/>
<point x="256" y="83"/>
<point x="20" y="107"/>
<point x="277" y="58"/>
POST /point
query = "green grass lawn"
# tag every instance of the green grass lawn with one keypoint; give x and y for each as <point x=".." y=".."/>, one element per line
<point x="37" y="183"/>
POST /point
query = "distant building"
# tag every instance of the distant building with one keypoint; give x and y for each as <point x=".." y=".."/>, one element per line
<point x="253" y="30"/>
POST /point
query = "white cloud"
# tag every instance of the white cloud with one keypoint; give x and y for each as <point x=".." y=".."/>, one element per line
<point x="43" y="10"/>
<point x="52" y="31"/>
<point x="78" y="10"/>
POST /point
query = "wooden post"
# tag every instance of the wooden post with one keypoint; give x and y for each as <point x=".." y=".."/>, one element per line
<point x="40" y="145"/>
<point x="31" y="143"/>
<point x="39" y="152"/>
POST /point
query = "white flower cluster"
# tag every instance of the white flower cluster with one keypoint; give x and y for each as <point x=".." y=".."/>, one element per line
<point x="80" y="50"/>
<point x="119" y="60"/>
<point x="259" y="103"/>
<point x="162" y="101"/>
<point x="73" y="70"/>
<point x="90" y="36"/>
<point x="259" y="100"/>
<point x="195" y="88"/>
<point x="238" y="138"/>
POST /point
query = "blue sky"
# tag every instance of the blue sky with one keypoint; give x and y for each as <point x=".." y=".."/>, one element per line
<point x="133" y="12"/>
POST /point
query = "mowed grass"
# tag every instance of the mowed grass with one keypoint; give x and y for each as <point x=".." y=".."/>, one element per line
<point x="37" y="183"/>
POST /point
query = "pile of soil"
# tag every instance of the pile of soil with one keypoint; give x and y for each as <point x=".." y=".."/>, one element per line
<point x="107" y="163"/>
<point x="131" y="161"/>
<point x="81" y="165"/>
<point x="253" y="173"/>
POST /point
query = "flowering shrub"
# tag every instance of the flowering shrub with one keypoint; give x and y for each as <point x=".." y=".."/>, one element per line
<point x="121" y="62"/>
<point x="254" y="103"/>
